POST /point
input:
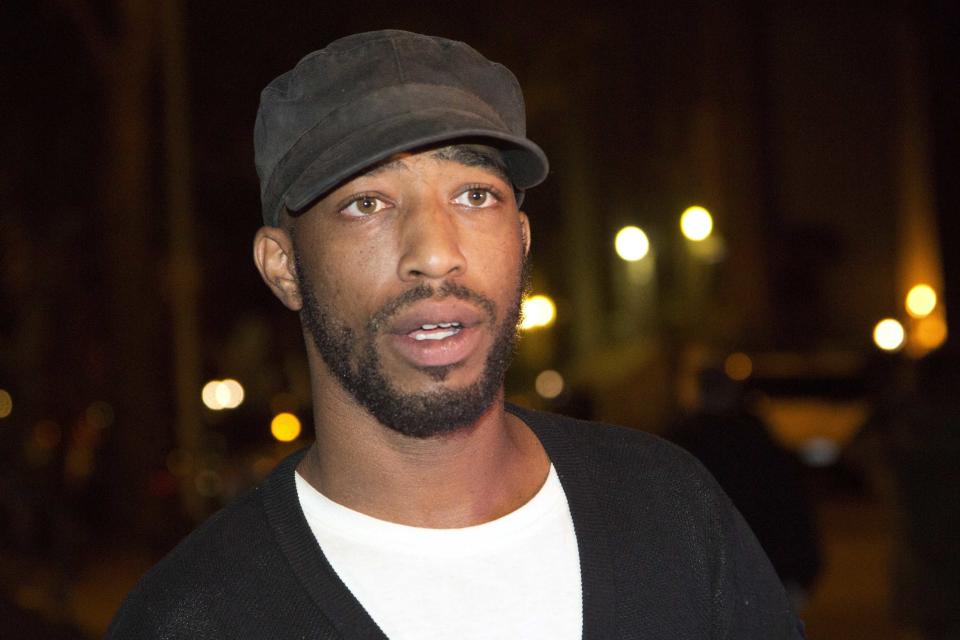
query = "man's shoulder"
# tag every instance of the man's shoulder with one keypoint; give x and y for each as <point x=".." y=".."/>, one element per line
<point x="613" y="449"/>
<point x="232" y="555"/>
<point x="229" y="535"/>
<point x="647" y="507"/>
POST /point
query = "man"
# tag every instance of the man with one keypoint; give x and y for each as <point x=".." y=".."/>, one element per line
<point x="392" y="166"/>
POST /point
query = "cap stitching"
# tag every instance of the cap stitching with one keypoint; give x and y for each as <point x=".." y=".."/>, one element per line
<point x="396" y="61"/>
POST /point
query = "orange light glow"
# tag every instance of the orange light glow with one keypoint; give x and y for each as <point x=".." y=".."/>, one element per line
<point x="285" y="427"/>
<point x="738" y="366"/>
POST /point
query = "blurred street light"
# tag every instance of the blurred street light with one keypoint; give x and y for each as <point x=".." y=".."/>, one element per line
<point x="696" y="224"/>
<point x="222" y="394"/>
<point x="631" y="244"/>
<point x="6" y="403"/>
<point x="738" y="366"/>
<point x="230" y="393"/>
<point x="285" y="427"/>
<point x="549" y="384"/>
<point x="209" y="395"/>
<point x="921" y="301"/>
<point x="930" y="332"/>
<point x="889" y="334"/>
<point x="537" y="311"/>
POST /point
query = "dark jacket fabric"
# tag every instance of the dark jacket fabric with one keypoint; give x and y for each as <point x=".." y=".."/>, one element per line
<point x="663" y="555"/>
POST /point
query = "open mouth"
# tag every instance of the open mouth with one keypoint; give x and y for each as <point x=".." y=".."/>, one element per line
<point x="438" y="331"/>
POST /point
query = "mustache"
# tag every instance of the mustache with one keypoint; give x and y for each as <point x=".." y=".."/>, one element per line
<point x="425" y="291"/>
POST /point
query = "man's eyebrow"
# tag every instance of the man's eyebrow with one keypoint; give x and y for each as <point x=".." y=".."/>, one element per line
<point x="474" y="157"/>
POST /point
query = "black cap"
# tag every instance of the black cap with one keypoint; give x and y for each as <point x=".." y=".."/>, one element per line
<point x="371" y="95"/>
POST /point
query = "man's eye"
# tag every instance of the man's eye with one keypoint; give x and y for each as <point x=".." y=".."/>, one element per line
<point x="477" y="198"/>
<point x="364" y="206"/>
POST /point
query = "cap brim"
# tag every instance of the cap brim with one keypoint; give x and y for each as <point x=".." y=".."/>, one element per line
<point x="527" y="164"/>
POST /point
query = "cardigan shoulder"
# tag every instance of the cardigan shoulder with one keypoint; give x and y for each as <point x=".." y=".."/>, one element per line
<point x="228" y="578"/>
<point x="617" y="452"/>
<point x="681" y="551"/>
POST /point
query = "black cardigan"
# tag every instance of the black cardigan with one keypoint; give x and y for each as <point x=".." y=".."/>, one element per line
<point x="663" y="554"/>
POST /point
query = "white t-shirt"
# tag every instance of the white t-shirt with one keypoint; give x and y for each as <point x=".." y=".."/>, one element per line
<point x="515" y="577"/>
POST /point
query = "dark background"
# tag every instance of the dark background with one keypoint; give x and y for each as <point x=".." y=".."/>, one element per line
<point x="821" y="136"/>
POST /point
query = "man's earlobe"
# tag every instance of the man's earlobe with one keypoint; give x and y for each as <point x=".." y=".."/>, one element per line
<point x="273" y="255"/>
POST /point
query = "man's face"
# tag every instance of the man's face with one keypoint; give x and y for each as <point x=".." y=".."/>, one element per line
<point x="411" y="278"/>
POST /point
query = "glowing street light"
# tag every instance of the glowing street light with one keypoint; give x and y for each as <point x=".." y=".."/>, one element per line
<point x="696" y="224"/>
<point x="921" y="301"/>
<point x="222" y="394"/>
<point x="930" y="332"/>
<point x="631" y="244"/>
<point x="889" y="334"/>
<point x="549" y="384"/>
<point x="285" y="427"/>
<point x="210" y="397"/>
<point x="230" y="393"/>
<point x="738" y="366"/>
<point x="6" y="403"/>
<point x="537" y="311"/>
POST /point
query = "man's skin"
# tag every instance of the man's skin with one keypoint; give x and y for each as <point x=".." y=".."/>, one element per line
<point x="420" y="218"/>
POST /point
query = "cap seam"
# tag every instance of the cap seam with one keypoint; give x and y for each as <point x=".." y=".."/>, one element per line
<point x="396" y="60"/>
<point x="392" y="37"/>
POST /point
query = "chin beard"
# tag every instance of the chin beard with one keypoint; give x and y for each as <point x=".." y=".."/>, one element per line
<point x="353" y="359"/>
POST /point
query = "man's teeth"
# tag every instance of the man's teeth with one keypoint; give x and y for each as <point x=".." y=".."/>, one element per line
<point x="442" y="325"/>
<point x="453" y="328"/>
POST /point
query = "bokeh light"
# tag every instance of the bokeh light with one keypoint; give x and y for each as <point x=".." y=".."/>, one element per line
<point x="537" y="311"/>
<point x="233" y="391"/>
<point x="549" y="384"/>
<point x="285" y="427"/>
<point x="738" y="366"/>
<point x="696" y="224"/>
<point x="921" y="300"/>
<point x="631" y="244"/>
<point x="819" y="452"/>
<point x="209" y="395"/>
<point x="930" y="332"/>
<point x="889" y="334"/>
<point x="222" y="394"/>
<point x="6" y="403"/>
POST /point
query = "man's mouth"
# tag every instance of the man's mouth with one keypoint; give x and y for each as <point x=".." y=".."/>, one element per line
<point x="438" y="331"/>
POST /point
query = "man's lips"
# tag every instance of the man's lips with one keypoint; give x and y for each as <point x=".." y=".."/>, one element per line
<point x="436" y="312"/>
<point x="418" y="337"/>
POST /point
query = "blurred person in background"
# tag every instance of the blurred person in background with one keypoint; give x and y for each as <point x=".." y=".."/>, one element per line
<point x="392" y="168"/>
<point x="762" y="478"/>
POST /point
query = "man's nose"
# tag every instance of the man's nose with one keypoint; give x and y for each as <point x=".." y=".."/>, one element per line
<point x="430" y="243"/>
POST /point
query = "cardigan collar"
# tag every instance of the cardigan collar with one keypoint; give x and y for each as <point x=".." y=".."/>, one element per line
<point x="313" y="570"/>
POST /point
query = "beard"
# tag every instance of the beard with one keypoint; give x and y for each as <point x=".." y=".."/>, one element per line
<point x="352" y="357"/>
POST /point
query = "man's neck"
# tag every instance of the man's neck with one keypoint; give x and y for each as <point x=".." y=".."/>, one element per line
<point x="473" y="475"/>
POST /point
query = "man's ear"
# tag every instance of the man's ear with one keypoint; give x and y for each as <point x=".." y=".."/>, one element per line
<point x="273" y="255"/>
<point x="525" y="232"/>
